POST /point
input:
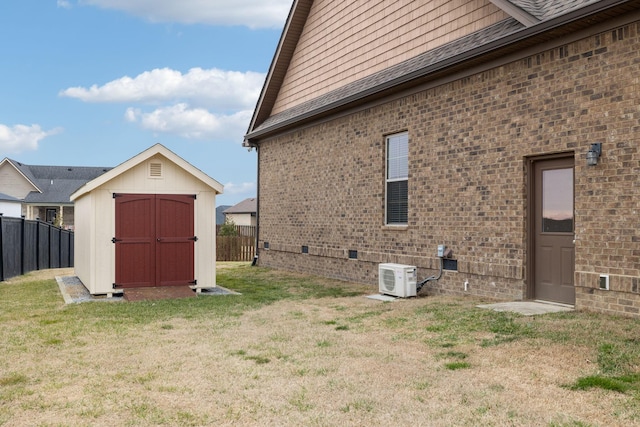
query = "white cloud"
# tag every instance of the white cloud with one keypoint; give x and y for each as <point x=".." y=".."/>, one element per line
<point x="200" y="104"/>
<point x="19" y="138"/>
<point x="210" y="88"/>
<point x="64" y="4"/>
<point x="192" y="123"/>
<point x="231" y="188"/>
<point x="249" y="13"/>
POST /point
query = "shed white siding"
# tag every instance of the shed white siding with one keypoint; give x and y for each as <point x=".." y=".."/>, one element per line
<point x="95" y="215"/>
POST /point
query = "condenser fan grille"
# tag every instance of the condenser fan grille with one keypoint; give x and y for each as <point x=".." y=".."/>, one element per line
<point x="389" y="280"/>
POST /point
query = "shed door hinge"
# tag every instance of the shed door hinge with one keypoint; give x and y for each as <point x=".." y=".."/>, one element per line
<point x="194" y="282"/>
<point x="194" y="238"/>
<point x="114" y="240"/>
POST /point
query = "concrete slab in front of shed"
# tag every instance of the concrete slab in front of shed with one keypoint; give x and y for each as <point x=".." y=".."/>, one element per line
<point x="158" y="292"/>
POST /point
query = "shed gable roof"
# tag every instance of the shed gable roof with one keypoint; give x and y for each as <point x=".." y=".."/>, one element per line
<point x="531" y="21"/>
<point x="138" y="159"/>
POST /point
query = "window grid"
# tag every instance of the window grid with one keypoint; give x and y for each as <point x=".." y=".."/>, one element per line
<point x="397" y="176"/>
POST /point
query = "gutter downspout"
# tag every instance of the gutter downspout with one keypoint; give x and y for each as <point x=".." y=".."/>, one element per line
<point x="250" y="146"/>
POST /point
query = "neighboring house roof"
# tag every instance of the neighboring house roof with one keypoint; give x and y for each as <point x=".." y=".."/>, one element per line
<point x="7" y="198"/>
<point x="246" y="206"/>
<point x="145" y="155"/>
<point x="55" y="184"/>
<point x="531" y="21"/>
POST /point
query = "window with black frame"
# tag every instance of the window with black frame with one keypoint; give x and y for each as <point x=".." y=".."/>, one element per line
<point x="397" y="179"/>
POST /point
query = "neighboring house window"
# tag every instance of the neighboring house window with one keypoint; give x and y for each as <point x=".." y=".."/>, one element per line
<point x="397" y="178"/>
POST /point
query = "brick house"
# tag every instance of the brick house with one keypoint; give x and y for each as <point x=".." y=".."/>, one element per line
<point x="387" y="128"/>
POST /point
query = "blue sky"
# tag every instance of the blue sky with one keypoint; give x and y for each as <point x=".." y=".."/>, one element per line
<point x="95" y="82"/>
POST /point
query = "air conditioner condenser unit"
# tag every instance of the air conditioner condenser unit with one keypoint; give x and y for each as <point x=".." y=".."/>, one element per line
<point x="398" y="280"/>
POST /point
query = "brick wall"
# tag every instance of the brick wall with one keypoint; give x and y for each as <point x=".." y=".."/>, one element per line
<point x="470" y="140"/>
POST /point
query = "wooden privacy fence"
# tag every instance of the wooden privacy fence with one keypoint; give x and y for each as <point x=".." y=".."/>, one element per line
<point x="241" y="247"/>
<point x="27" y="245"/>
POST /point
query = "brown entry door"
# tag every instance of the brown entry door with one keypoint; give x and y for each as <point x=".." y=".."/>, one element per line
<point x="154" y="240"/>
<point x="554" y="258"/>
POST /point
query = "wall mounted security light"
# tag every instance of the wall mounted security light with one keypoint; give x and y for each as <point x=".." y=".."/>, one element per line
<point x="594" y="153"/>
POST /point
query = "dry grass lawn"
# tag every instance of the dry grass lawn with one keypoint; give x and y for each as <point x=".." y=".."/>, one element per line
<point x="329" y="360"/>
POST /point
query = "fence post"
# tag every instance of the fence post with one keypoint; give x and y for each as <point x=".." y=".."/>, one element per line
<point x="37" y="244"/>
<point x="1" y="252"/>
<point x="49" y="245"/>
<point x="71" y="248"/>
<point x="59" y="230"/>
<point x="22" y="244"/>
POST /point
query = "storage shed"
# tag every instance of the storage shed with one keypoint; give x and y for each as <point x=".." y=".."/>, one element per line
<point x="148" y="222"/>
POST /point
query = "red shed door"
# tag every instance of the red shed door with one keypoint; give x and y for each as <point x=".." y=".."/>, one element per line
<point x="154" y="240"/>
<point x="174" y="240"/>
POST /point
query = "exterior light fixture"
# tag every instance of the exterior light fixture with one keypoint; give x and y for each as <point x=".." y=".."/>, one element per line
<point x="594" y="153"/>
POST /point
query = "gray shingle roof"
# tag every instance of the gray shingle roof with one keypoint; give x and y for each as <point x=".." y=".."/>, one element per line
<point x="57" y="183"/>
<point x="405" y="68"/>
<point x="457" y="52"/>
<point x="8" y="198"/>
<point x="547" y="9"/>
<point x="246" y="206"/>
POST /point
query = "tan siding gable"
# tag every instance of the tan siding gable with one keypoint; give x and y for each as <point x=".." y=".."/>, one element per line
<point x="345" y="41"/>
<point x="12" y="183"/>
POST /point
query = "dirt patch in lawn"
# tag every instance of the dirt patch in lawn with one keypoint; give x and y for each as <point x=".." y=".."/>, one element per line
<point x="319" y="362"/>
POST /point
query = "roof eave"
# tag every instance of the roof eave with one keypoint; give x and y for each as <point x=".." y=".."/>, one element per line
<point x="281" y="59"/>
<point x="251" y="139"/>
<point x="524" y="17"/>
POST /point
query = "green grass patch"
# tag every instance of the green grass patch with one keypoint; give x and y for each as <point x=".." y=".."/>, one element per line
<point x="454" y="366"/>
<point x="621" y="384"/>
<point x="451" y="324"/>
<point x="616" y="358"/>
<point x="618" y="369"/>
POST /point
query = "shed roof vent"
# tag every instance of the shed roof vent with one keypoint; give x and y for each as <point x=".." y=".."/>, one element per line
<point x="155" y="170"/>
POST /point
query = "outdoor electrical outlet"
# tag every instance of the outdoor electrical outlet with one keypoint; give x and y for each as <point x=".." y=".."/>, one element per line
<point x="441" y="251"/>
